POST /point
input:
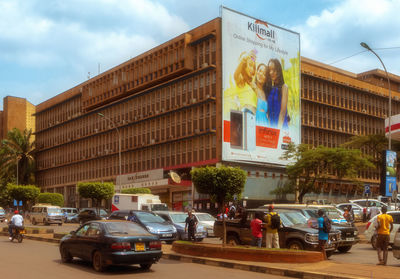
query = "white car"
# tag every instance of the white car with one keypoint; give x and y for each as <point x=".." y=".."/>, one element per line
<point x="396" y="245"/>
<point x="371" y="203"/>
<point x="207" y="221"/>
<point x="357" y="210"/>
<point x="370" y="232"/>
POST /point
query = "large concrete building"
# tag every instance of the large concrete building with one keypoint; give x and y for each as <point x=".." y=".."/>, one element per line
<point x="17" y="113"/>
<point x="162" y="112"/>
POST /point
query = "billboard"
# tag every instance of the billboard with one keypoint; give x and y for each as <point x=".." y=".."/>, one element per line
<point x="261" y="89"/>
<point x="389" y="171"/>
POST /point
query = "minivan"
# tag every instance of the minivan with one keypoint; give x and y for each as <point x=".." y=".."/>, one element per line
<point x="46" y="214"/>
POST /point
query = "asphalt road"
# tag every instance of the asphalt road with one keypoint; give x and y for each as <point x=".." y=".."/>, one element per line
<point x="41" y="260"/>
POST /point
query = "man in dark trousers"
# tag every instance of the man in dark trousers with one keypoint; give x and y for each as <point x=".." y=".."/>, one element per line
<point x="190" y="226"/>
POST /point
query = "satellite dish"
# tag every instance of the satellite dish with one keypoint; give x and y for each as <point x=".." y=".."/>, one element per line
<point x="175" y="177"/>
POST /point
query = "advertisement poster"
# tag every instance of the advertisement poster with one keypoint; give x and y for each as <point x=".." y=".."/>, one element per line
<point x="389" y="176"/>
<point x="261" y="89"/>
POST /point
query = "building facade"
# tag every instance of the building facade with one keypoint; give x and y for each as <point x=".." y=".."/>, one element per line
<point x="161" y="112"/>
<point x="17" y="113"/>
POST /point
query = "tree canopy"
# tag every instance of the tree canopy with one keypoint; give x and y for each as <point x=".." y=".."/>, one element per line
<point x="51" y="198"/>
<point x="312" y="164"/>
<point x="221" y="183"/>
<point x="25" y="193"/>
<point x="17" y="156"/>
<point x="136" y="191"/>
<point x="96" y="191"/>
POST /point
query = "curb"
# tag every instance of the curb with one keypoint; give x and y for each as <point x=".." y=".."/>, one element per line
<point x="255" y="268"/>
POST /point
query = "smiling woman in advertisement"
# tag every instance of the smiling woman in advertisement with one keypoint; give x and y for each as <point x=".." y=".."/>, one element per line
<point x="277" y="96"/>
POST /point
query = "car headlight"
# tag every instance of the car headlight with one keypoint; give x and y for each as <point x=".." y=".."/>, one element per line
<point x="312" y="238"/>
<point x="355" y="232"/>
<point x="152" y="230"/>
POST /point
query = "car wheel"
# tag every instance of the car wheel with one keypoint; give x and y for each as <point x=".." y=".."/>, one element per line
<point x="344" y="249"/>
<point x="146" y="266"/>
<point x="20" y="238"/>
<point x="373" y="241"/>
<point x="65" y="255"/>
<point x="34" y="221"/>
<point x="295" y="245"/>
<point x="98" y="263"/>
<point x="232" y="240"/>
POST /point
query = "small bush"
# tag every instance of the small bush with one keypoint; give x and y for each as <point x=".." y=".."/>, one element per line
<point x="51" y="198"/>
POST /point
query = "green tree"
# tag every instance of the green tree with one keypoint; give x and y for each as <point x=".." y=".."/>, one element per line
<point x="51" y="198"/>
<point x="96" y="191"/>
<point x="136" y="191"/>
<point x="17" y="156"/>
<point x="25" y="193"/>
<point x="221" y="183"/>
<point x="312" y="164"/>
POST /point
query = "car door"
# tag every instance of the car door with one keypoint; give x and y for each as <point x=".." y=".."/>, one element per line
<point x="90" y="241"/>
<point x="245" y="230"/>
<point x="75" y="242"/>
<point x="396" y="225"/>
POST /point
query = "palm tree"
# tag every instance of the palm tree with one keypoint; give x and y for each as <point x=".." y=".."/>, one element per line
<point x="17" y="157"/>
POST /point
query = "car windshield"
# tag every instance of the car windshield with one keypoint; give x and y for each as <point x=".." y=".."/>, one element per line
<point x="103" y="212"/>
<point x="292" y="218"/>
<point x="312" y="212"/>
<point x="125" y="228"/>
<point x="146" y="217"/>
<point x="178" y="217"/>
<point x="159" y="207"/>
<point x="53" y="210"/>
<point x="204" y="217"/>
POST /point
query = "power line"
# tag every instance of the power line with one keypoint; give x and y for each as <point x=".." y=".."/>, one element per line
<point x="382" y="48"/>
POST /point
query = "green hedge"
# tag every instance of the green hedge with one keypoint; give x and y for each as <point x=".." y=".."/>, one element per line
<point x="136" y="191"/>
<point x="51" y="198"/>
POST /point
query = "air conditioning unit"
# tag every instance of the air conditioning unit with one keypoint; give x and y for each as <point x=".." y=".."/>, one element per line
<point x="194" y="100"/>
<point x="96" y="130"/>
<point x="364" y="111"/>
<point x="208" y="96"/>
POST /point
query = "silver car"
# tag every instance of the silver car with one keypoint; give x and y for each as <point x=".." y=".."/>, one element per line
<point x="207" y="221"/>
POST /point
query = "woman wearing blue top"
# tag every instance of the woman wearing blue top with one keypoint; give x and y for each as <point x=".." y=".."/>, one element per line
<point x="277" y="96"/>
<point x="322" y="236"/>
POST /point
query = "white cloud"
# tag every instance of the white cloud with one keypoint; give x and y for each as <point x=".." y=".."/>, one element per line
<point x="337" y="32"/>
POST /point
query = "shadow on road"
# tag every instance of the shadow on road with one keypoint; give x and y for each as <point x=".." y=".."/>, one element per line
<point x="110" y="270"/>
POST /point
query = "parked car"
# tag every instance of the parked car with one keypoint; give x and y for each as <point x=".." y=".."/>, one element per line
<point x="178" y="220"/>
<point x="207" y="221"/>
<point x="371" y="202"/>
<point x="2" y="215"/>
<point x="295" y="232"/>
<point x="370" y="231"/>
<point x="349" y="232"/>
<point x="46" y="213"/>
<point x="90" y="214"/>
<point x="68" y="212"/>
<point x="396" y="245"/>
<point x="111" y="242"/>
<point x="357" y="210"/>
<point x="149" y="221"/>
<point x="71" y="219"/>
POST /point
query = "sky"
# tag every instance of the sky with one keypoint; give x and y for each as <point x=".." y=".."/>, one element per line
<point x="48" y="47"/>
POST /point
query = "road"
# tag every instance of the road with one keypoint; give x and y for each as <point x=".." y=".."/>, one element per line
<point x="360" y="253"/>
<point x="41" y="260"/>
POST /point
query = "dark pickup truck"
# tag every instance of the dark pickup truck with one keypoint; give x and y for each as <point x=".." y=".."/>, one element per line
<point x="295" y="232"/>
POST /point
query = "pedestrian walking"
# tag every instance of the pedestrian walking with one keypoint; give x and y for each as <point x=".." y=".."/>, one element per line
<point x="323" y="231"/>
<point x="272" y="224"/>
<point x="256" y="230"/>
<point x="374" y="210"/>
<point x="385" y="226"/>
<point x="190" y="226"/>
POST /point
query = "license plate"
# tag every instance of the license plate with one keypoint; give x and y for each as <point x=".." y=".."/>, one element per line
<point x="199" y="234"/>
<point x="140" y="247"/>
<point x="350" y="239"/>
<point x="167" y="235"/>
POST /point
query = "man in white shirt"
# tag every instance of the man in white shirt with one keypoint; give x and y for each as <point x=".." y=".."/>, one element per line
<point x="16" y="221"/>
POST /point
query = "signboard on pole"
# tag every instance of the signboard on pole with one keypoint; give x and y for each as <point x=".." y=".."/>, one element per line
<point x="389" y="171"/>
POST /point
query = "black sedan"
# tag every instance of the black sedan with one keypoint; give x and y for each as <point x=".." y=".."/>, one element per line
<point x="110" y="243"/>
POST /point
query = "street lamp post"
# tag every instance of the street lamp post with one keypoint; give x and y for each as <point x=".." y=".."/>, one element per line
<point x="364" y="45"/>
<point x="119" y="144"/>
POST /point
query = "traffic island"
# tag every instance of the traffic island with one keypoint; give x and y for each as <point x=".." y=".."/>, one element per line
<point x="246" y="253"/>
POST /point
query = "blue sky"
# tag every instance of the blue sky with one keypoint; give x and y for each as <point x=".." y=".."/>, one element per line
<point x="47" y="47"/>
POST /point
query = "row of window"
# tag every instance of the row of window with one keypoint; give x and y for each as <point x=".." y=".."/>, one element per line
<point x="182" y="94"/>
<point x="177" y="153"/>
<point x="184" y="123"/>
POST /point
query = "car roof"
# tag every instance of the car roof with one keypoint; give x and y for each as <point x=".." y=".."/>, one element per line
<point x="133" y="211"/>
